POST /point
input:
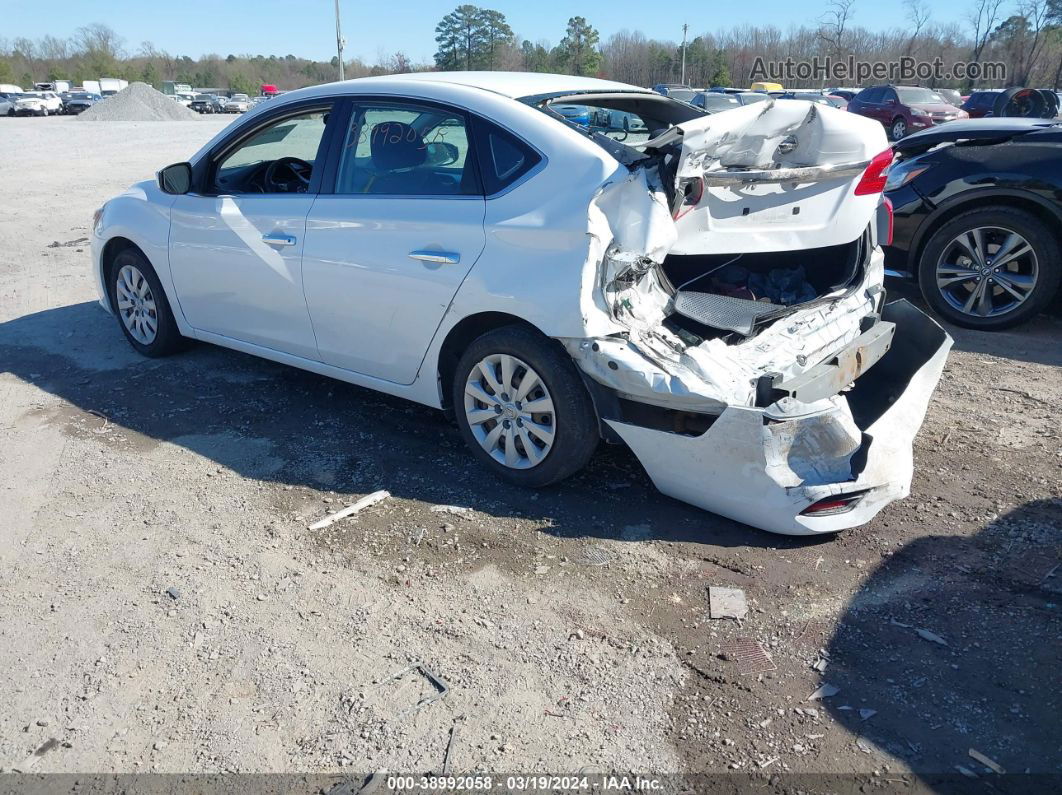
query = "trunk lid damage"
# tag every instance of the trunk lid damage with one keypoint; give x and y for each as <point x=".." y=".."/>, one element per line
<point x="739" y="265"/>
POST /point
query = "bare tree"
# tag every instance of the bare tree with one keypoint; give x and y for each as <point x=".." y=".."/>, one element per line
<point x="917" y="15"/>
<point x="1037" y="14"/>
<point x="835" y="23"/>
<point x="983" y="17"/>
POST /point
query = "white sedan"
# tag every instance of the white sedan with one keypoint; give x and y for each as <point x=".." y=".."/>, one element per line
<point x="704" y="289"/>
<point x="238" y="103"/>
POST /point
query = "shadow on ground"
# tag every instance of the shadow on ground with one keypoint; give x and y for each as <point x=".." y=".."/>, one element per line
<point x="279" y="424"/>
<point x="954" y="643"/>
<point x="1037" y="341"/>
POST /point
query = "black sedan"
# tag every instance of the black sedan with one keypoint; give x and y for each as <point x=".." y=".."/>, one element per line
<point x="978" y="218"/>
<point x="203" y="103"/>
<point x="79" y="101"/>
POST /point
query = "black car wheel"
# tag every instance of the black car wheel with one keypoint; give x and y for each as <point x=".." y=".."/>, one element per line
<point x="898" y="128"/>
<point x="990" y="268"/>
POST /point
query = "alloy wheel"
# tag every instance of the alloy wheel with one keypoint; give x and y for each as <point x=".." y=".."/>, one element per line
<point x="510" y="411"/>
<point x="899" y="129"/>
<point x="987" y="271"/>
<point x="136" y="305"/>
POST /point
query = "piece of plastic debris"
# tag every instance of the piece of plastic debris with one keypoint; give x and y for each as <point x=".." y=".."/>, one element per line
<point x="867" y="714"/>
<point x="925" y="634"/>
<point x="173" y="593"/>
<point x="820" y="665"/>
<point x="350" y="510"/>
<point x="727" y="602"/>
<point x="751" y="656"/>
<point x="543" y="569"/>
<point x="453" y="510"/>
<point x="768" y="762"/>
<point x="450" y="745"/>
<point x="966" y="771"/>
<point x="984" y="760"/>
<point x="825" y="691"/>
<point x="441" y="688"/>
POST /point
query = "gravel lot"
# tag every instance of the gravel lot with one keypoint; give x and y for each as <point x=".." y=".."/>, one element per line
<point x="571" y="625"/>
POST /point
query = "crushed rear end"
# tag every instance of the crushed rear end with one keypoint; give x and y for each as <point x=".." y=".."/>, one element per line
<point x="755" y="369"/>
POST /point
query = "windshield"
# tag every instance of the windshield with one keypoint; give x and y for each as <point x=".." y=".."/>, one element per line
<point x="81" y="96"/>
<point x="916" y="96"/>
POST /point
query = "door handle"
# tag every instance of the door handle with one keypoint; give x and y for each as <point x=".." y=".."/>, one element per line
<point x="440" y="257"/>
<point x="279" y="240"/>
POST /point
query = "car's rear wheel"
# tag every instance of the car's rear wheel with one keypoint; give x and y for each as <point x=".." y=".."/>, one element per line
<point x="991" y="268"/>
<point x="898" y="128"/>
<point x="140" y="303"/>
<point x="522" y="408"/>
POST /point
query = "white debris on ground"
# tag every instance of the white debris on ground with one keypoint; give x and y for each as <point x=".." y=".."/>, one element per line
<point x="139" y="102"/>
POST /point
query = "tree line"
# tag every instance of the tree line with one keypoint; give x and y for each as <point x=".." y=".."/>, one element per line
<point x="1024" y="35"/>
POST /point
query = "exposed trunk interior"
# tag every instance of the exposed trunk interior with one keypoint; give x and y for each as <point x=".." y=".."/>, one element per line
<point x="717" y="294"/>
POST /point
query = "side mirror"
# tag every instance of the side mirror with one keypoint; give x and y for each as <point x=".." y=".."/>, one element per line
<point x="176" y="179"/>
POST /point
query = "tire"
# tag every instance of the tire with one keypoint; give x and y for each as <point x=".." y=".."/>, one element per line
<point x="1035" y="276"/>
<point x="562" y="438"/>
<point x="130" y="274"/>
<point x="898" y="128"/>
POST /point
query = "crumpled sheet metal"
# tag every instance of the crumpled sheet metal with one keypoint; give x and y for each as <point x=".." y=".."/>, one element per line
<point x="743" y="469"/>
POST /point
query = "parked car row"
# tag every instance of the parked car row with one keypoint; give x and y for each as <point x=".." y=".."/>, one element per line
<point x="45" y="103"/>
<point x="30" y="103"/>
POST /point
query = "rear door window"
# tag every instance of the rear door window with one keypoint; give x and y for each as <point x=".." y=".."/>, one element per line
<point x="405" y="149"/>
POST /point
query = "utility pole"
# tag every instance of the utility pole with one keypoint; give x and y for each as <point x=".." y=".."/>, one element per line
<point x="339" y="42"/>
<point x="685" y="27"/>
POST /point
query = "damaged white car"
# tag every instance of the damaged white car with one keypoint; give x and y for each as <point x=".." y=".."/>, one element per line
<point x="705" y="289"/>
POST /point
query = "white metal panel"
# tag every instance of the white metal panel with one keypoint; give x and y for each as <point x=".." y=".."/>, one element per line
<point x="230" y="281"/>
<point x="375" y="309"/>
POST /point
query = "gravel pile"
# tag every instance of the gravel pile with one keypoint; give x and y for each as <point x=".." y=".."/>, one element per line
<point x="138" y="102"/>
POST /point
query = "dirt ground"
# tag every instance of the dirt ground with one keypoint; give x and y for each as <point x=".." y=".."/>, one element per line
<point x="164" y="607"/>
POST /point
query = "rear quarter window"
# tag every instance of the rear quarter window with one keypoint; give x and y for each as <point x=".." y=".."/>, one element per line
<point x="503" y="158"/>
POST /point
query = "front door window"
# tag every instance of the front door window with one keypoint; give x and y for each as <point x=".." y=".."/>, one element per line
<point x="279" y="158"/>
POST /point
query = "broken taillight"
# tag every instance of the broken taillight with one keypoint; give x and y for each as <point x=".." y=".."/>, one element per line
<point x="840" y="503"/>
<point x="693" y="193"/>
<point x="873" y="179"/>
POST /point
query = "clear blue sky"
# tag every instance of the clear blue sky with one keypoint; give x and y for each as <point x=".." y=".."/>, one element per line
<point x="306" y="28"/>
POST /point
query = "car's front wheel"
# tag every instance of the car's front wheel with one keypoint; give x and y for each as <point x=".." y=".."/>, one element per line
<point x="522" y="408"/>
<point x="140" y="303"/>
<point x="991" y="268"/>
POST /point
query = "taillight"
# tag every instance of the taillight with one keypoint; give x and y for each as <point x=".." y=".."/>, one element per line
<point x="694" y="192"/>
<point x="841" y="503"/>
<point x="873" y="179"/>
